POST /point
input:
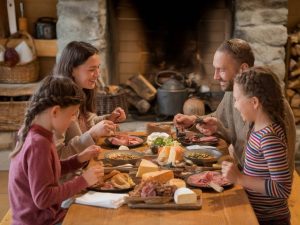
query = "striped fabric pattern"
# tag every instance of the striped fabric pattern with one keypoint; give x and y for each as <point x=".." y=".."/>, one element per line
<point x="266" y="157"/>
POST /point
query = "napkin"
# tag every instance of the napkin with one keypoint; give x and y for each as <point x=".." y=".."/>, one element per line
<point x="106" y="200"/>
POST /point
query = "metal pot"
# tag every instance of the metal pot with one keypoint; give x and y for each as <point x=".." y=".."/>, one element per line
<point x="171" y="95"/>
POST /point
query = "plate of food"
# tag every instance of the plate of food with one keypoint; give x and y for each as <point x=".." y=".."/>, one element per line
<point x="198" y="139"/>
<point x="130" y="141"/>
<point x="122" y="157"/>
<point x="114" y="182"/>
<point x="202" y="155"/>
<point x="202" y="180"/>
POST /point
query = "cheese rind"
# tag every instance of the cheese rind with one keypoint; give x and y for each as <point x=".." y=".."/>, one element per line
<point x="161" y="176"/>
<point x="185" y="196"/>
<point x="177" y="182"/>
<point x="146" y="166"/>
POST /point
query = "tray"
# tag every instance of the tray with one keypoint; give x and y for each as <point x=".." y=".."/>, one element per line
<point x="160" y="203"/>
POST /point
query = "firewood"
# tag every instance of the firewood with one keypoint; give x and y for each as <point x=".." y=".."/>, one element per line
<point x="295" y="72"/>
<point x="295" y="102"/>
<point x="294" y="84"/>
<point x="293" y="51"/>
<point x="293" y="64"/>
<point x="142" y="87"/>
<point x="297" y="46"/>
<point x="140" y="104"/>
<point x="296" y="112"/>
<point x="290" y="93"/>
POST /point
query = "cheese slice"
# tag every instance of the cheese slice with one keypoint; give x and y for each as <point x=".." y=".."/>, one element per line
<point x="185" y="196"/>
<point x="146" y="166"/>
<point x="161" y="176"/>
<point x="177" y="182"/>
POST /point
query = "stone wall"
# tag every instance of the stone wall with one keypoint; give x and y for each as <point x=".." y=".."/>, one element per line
<point x="83" y="20"/>
<point x="263" y="25"/>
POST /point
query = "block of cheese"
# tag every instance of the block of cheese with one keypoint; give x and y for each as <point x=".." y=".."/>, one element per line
<point x="146" y="166"/>
<point x="161" y="176"/>
<point x="185" y="196"/>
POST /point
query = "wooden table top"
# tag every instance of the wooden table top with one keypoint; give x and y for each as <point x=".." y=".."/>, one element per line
<point x="230" y="207"/>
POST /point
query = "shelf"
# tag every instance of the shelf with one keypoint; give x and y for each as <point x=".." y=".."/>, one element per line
<point x="45" y="48"/>
<point x="17" y="89"/>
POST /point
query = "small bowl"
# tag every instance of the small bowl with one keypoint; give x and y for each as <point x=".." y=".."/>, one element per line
<point x="195" y="156"/>
<point x="121" y="157"/>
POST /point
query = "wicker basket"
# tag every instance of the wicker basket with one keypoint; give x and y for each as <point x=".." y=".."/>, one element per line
<point x="21" y="73"/>
<point x="12" y="115"/>
<point x="106" y="103"/>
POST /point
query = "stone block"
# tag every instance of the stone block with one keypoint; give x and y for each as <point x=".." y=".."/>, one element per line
<point x="266" y="53"/>
<point x="277" y="67"/>
<point x="261" y="16"/>
<point x="255" y="4"/>
<point x="274" y="35"/>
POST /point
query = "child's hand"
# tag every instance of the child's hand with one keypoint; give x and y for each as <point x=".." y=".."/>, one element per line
<point x="230" y="172"/>
<point x="93" y="175"/>
<point x="88" y="153"/>
<point x="209" y="126"/>
<point x="118" y="115"/>
<point x="103" y="128"/>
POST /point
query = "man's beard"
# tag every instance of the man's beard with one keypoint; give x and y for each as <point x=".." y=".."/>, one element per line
<point x="229" y="86"/>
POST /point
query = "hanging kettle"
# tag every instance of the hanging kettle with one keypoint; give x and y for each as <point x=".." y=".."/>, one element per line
<point x="171" y="95"/>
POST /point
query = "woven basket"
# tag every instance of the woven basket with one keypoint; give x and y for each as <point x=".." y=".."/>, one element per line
<point x="106" y="103"/>
<point x="21" y="73"/>
<point x="12" y="115"/>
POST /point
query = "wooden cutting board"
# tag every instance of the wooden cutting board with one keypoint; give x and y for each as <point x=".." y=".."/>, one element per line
<point x="154" y="203"/>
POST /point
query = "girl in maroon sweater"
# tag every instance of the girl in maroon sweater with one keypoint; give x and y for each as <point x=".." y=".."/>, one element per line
<point x="34" y="191"/>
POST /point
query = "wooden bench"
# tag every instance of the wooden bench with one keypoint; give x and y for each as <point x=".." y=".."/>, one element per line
<point x="294" y="204"/>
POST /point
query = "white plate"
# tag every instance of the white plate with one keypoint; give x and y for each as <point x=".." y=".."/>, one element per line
<point x="195" y="147"/>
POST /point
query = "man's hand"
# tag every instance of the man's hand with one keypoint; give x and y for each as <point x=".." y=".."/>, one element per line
<point x="209" y="126"/>
<point x="184" y="121"/>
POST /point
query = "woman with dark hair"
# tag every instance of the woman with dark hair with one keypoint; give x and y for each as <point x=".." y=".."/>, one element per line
<point x="80" y="61"/>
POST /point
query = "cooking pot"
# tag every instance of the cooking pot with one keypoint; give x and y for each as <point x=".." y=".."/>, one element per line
<point x="171" y="95"/>
<point x="45" y="28"/>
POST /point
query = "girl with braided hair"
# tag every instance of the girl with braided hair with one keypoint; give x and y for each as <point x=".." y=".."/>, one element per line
<point x="35" y="193"/>
<point x="266" y="177"/>
<point x="80" y="61"/>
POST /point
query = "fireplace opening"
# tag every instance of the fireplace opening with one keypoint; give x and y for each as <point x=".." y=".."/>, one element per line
<point x="151" y="36"/>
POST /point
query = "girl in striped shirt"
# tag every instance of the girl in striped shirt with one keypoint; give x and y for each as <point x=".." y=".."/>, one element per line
<point x="266" y="177"/>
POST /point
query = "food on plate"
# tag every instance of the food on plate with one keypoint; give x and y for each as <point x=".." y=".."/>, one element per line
<point x="185" y="196"/>
<point x="146" y="166"/>
<point x="153" y="188"/>
<point x="203" y="179"/>
<point x="196" y="138"/>
<point x="122" y="156"/>
<point x="157" y="138"/>
<point x="177" y="182"/>
<point x="122" y="147"/>
<point x="161" y="176"/>
<point x="115" y="180"/>
<point x="170" y="154"/>
<point x="125" y="140"/>
<point x="199" y="155"/>
<point x="122" y="181"/>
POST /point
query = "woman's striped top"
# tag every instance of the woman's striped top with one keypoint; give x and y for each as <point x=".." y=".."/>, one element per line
<point x="266" y="157"/>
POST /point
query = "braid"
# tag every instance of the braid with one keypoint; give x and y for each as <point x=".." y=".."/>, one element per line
<point x="54" y="90"/>
<point x="260" y="82"/>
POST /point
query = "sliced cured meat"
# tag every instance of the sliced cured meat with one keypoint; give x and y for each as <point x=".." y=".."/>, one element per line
<point x="125" y="140"/>
<point x="202" y="179"/>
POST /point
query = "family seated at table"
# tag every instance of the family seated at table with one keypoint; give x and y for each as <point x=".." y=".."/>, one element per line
<point x="60" y="131"/>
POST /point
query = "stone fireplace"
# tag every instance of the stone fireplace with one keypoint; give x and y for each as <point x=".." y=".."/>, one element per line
<point x="145" y="37"/>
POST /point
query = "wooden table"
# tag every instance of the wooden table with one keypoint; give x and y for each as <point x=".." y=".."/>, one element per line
<point x="230" y="207"/>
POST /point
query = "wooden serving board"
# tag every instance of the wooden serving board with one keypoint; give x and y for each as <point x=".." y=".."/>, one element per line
<point x="139" y="203"/>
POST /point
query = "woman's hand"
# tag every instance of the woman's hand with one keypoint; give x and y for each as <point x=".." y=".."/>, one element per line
<point x="231" y="172"/>
<point x="209" y="126"/>
<point x="89" y="153"/>
<point x="118" y="115"/>
<point x="93" y="175"/>
<point x="184" y="121"/>
<point x="103" y="128"/>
